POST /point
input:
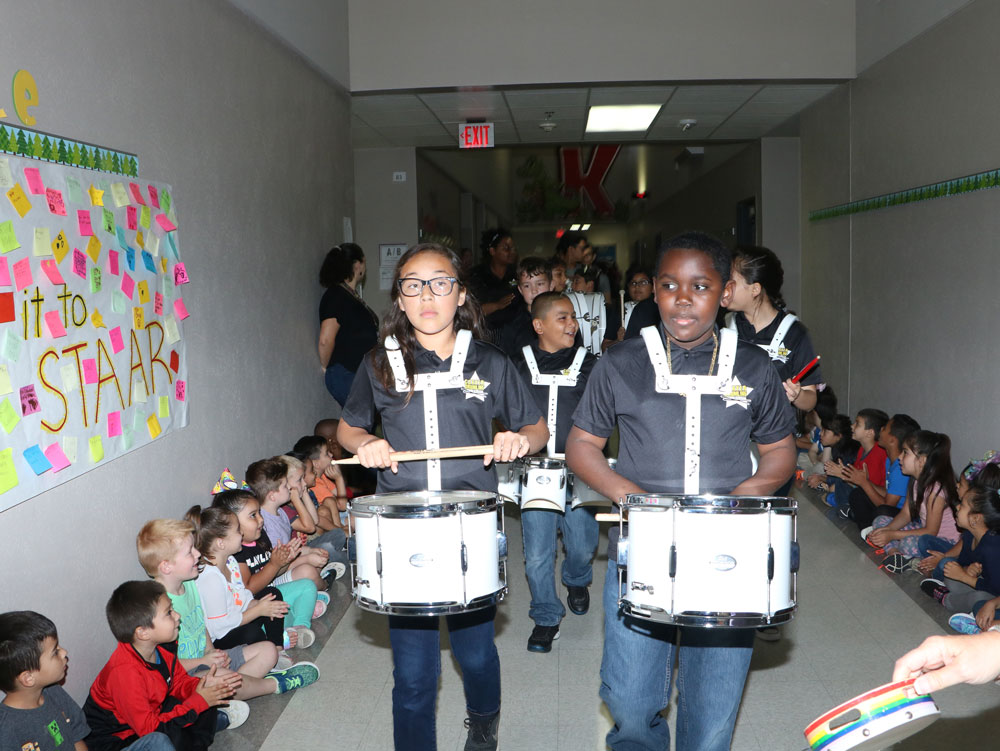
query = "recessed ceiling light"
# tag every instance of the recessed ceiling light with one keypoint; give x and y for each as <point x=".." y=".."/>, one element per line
<point x="584" y="227"/>
<point x="621" y="118"/>
<point x="574" y="227"/>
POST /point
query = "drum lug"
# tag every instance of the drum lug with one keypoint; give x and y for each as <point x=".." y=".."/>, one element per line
<point x="622" y="559"/>
<point x="643" y="587"/>
<point x="795" y="558"/>
<point x="378" y="560"/>
<point x="502" y="545"/>
<point x="673" y="562"/>
<point x="770" y="563"/>
<point x="361" y="582"/>
<point x="465" y="559"/>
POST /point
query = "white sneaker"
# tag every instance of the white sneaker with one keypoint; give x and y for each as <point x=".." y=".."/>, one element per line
<point x="237" y="711"/>
<point x="337" y="566"/>
<point x="865" y="532"/>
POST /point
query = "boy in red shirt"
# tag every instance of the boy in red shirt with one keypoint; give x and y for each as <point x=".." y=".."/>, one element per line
<point x="871" y="458"/>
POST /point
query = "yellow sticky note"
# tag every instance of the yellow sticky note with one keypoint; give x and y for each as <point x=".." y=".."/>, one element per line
<point x="138" y="319"/>
<point x="96" y="449"/>
<point x="163" y="264"/>
<point x="43" y="241"/>
<point x="163" y="409"/>
<point x="60" y="246"/>
<point x="154" y="426"/>
<point x="119" y="194"/>
<point x="94" y="248"/>
<point x="139" y="392"/>
<point x="144" y="217"/>
<point x="96" y="196"/>
<point x="97" y="319"/>
<point x="143" y="291"/>
<point x="5" y="387"/>
<point x="153" y="245"/>
<point x="139" y="240"/>
<point x="19" y="200"/>
<point x="69" y="448"/>
<point x="8" y="472"/>
<point x="8" y="416"/>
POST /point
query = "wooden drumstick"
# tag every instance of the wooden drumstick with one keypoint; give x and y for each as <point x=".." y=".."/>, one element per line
<point x="608" y="517"/>
<point x="621" y="297"/>
<point x="423" y="454"/>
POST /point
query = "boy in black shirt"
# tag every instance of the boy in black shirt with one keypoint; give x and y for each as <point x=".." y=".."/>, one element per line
<point x="533" y="278"/>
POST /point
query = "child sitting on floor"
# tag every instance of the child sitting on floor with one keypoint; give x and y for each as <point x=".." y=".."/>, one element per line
<point x="838" y="449"/>
<point x="870" y="459"/>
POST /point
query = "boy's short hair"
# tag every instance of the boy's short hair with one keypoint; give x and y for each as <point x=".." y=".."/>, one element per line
<point x="265" y="476"/>
<point x="588" y="275"/>
<point x="718" y="253"/>
<point x="327" y="428"/>
<point x="903" y="426"/>
<point x="292" y="462"/>
<point x="532" y="266"/>
<point x="133" y="605"/>
<point x="159" y="540"/>
<point x="21" y="635"/>
<point x="874" y="419"/>
<point x="567" y="241"/>
<point x="542" y="303"/>
<point x="310" y="445"/>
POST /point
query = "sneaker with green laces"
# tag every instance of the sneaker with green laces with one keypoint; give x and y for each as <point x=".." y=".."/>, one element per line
<point x="298" y="675"/>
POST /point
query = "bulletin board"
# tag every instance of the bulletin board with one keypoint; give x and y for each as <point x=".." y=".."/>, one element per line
<point x="92" y="351"/>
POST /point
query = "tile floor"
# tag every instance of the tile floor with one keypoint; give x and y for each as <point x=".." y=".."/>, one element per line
<point x="853" y="621"/>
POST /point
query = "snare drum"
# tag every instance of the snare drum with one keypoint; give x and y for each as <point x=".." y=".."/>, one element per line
<point x="584" y="495"/>
<point x="544" y="484"/>
<point x="428" y="552"/>
<point x="509" y="481"/>
<point x="713" y="561"/>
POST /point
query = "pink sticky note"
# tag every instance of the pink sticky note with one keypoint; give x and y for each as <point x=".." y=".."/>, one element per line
<point x="180" y="275"/>
<point x="114" y="424"/>
<point x="57" y="457"/>
<point x="128" y="285"/>
<point x="34" y="178"/>
<point x="55" y="201"/>
<point x="52" y="271"/>
<point x="29" y="401"/>
<point x="83" y="219"/>
<point x="154" y="196"/>
<point x="79" y="263"/>
<point x="4" y="273"/>
<point x="132" y="217"/>
<point x="180" y="390"/>
<point x="180" y="308"/>
<point x="113" y="262"/>
<point x="158" y="304"/>
<point x="55" y="324"/>
<point x="117" y="345"/>
<point x="137" y="193"/>
<point x="90" y="370"/>
<point x="22" y="273"/>
<point x="164" y="221"/>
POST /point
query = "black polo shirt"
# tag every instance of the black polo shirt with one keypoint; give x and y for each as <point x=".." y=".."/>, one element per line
<point x="486" y="287"/>
<point x="492" y="389"/>
<point x="517" y="332"/>
<point x="644" y="314"/>
<point x="358" y="330"/>
<point x="567" y="396"/>
<point x="797" y="342"/>
<point x="622" y="390"/>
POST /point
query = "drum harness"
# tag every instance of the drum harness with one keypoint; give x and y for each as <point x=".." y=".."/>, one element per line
<point x="593" y="332"/>
<point x="777" y="341"/>
<point x="554" y="381"/>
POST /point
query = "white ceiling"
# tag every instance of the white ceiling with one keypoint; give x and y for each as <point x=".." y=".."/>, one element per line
<point x="724" y="112"/>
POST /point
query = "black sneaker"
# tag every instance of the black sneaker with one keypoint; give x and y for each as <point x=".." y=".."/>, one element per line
<point x="578" y="599"/>
<point x="934" y="588"/>
<point x="542" y="637"/>
<point x="482" y="732"/>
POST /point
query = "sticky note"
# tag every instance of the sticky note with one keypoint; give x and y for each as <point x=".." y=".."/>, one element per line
<point x="97" y="320"/>
<point x="96" y="449"/>
<point x="170" y="330"/>
<point x="11" y="344"/>
<point x="107" y="221"/>
<point x="6" y="307"/>
<point x="140" y="240"/>
<point x="37" y="460"/>
<point x="147" y="261"/>
<point x="120" y="235"/>
<point x="8" y="472"/>
<point x="43" y="243"/>
<point x="180" y="308"/>
<point x="95" y="279"/>
<point x="22" y="273"/>
<point x="55" y="201"/>
<point x="180" y="275"/>
<point x="136" y="193"/>
<point x="5" y="274"/>
<point x="83" y="222"/>
<point x="8" y="238"/>
<point x="130" y="258"/>
<point x="180" y="390"/>
<point x="175" y="360"/>
<point x="164" y="221"/>
<point x="138" y="318"/>
<point x="158" y="304"/>
<point x="60" y="246"/>
<point x="139" y="392"/>
<point x="163" y="264"/>
<point x="69" y="444"/>
<point x="118" y="302"/>
<point x="113" y="262"/>
<point x="74" y="190"/>
<point x="96" y="196"/>
<point x="8" y="416"/>
<point x="29" y="400"/>
<point x="128" y="438"/>
<point x="119" y="195"/>
<point x="34" y="179"/>
<point x="154" y="426"/>
<point x="153" y="244"/>
<point x="117" y="344"/>
<point x="5" y="387"/>
<point x="6" y="176"/>
<point x="114" y="424"/>
<point x="79" y="263"/>
<point x="143" y="291"/>
<point x="138" y="418"/>
<point x="20" y="202"/>
<point x="94" y="248"/>
<point x="163" y="409"/>
<point x="52" y="271"/>
<point x="57" y="457"/>
<point x="154" y="196"/>
<point x="144" y="217"/>
<point x="132" y="217"/>
<point x="54" y="324"/>
<point x="128" y="285"/>
<point x="165" y="201"/>
<point x="70" y="377"/>
<point x="90" y="370"/>
<point x="173" y="245"/>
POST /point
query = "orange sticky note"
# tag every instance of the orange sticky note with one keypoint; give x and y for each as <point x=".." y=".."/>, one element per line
<point x="19" y="200"/>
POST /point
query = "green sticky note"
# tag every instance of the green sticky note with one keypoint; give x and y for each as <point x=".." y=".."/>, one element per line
<point x="8" y="240"/>
<point x="144" y="217"/>
<point x="164" y="407"/>
<point x="118" y="301"/>
<point x="139" y="418"/>
<point x="165" y="201"/>
<point x="8" y="416"/>
<point x="96" y="449"/>
<point x="108" y="221"/>
<point x="128" y="437"/>
<point x="74" y="190"/>
<point x="95" y="279"/>
<point x="11" y="345"/>
<point x="43" y="241"/>
<point x="8" y="472"/>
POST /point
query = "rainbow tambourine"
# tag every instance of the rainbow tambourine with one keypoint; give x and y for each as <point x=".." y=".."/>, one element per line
<point x="873" y="720"/>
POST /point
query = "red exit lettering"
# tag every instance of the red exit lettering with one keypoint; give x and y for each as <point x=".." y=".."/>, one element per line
<point x="475" y="136"/>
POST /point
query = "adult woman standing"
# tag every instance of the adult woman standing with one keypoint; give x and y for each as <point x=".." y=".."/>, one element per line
<point x="348" y="327"/>
<point x="492" y="281"/>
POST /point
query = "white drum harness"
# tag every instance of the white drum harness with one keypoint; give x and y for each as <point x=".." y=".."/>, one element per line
<point x="777" y="341"/>
<point x="591" y="311"/>
<point x="554" y="381"/>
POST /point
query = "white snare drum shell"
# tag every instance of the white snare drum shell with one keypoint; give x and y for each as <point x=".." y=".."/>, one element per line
<point x="544" y="485"/>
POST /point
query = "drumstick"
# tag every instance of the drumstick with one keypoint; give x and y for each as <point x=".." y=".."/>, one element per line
<point x="621" y="296"/>
<point x="423" y="454"/>
<point x="809" y="366"/>
<point x="602" y="517"/>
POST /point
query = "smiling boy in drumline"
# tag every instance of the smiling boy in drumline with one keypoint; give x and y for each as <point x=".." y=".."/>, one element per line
<point x="692" y="280"/>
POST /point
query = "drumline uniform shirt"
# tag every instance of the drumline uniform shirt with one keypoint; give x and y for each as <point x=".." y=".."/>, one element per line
<point x="796" y="349"/>
<point x="567" y="397"/>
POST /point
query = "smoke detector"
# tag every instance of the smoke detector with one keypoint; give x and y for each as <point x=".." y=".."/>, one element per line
<point x="548" y="124"/>
<point x="686" y="124"/>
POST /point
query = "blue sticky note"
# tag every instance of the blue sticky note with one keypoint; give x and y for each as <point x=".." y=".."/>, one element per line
<point x="130" y="257"/>
<point x="173" y="244"/>
<point x="147" y="261"/>
<point x="121" y="236"/>
<point x="36" y="458"/>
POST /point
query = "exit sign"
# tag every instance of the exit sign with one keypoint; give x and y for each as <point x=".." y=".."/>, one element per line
<point x="475" y="136"/>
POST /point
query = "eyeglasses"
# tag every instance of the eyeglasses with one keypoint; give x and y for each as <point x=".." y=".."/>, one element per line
<point x="639" y="283"/>
<point x="440" y="286"/>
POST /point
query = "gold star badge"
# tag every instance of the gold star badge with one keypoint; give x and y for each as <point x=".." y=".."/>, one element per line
<point x="96" y="196"/>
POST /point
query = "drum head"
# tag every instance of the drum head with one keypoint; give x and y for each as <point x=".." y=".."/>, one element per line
<point x="425" y="502"/>
<point x="541" y="462"/>
<point x="712" y="503"/>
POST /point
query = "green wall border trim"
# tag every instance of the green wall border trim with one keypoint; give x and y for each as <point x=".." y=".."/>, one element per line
<point x="46" y="147"/>
<point x="957" y="186"/>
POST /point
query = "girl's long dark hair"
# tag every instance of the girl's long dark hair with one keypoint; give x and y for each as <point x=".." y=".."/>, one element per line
<point x="468" y="316"/>
<point x="937" y="469"/>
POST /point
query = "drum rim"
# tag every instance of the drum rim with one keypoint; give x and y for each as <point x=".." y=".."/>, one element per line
<point x="480" y="500"/>
<point x="711" y="620"/>
<point x="431" y="608"/>
<point x="712" y="501"/>
<point x="543" y="462"/>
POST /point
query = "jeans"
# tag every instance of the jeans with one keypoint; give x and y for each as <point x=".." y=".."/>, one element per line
<point x="580" y="535"/>
<point x="416" y="657"/>
<point x="332" y="541"/>
<point x="338" y="382"/>
<point x="841" y="493"/>
<point x="637" y="669"/>
<point x="151" y="742"/>
<point x="928" y="543"/>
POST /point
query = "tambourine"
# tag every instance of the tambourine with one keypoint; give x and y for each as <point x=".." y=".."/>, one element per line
<point x="876" y="719"/>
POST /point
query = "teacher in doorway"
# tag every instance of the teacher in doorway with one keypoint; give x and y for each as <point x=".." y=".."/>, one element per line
<point x="348" y="327"/>
<point x="492" y="282"/>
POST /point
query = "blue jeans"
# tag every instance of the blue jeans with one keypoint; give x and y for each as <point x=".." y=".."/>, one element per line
<point x="636" y="674"/>
<point x="332" y="541"/>
<point x="338" y="382"/>
<point x="928" y="543"/>
<point x="416" y="657"/>
<point x="580" y="535"/>
<point x="842" y="493"/>
<point x="152" y="742"/>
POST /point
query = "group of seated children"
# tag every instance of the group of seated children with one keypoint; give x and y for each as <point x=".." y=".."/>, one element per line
<point x="231" y="587"/>
<point x="896" y="482"/>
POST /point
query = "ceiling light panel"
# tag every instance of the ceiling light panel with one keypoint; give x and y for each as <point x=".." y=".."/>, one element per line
<point x="630" y="118"/>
